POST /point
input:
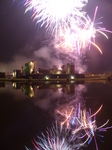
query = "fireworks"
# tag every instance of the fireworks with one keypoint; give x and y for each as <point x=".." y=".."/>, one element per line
<point x="67" y="115"/>
<point x="80" y="36"/>
<point x="88" y="124"/>
<point x="55" y="139"/>
<point x="68" y="23"/>
<point x="80" y="120"/>
<point x="83" y="128"/>
<point x="55" y="14"/>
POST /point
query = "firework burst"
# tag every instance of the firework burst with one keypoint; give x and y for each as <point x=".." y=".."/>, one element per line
<point x="56" y="14"/>
<point x="81" y="36"/>
<point x="67" y="22"/>
<point x="81" y="121"/>
<point x="55" y="139"/>
<point x="87" y="123"/>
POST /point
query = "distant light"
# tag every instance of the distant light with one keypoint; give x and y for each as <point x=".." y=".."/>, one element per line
<point x="31" y="70"/>
<point x="72" y="77"/>
<point x="59" y="72"/>
<point x="13" y="74"/>
<point x="47" y="77"/>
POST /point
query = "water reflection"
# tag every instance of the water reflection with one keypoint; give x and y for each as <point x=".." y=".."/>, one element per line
<point x="77" y="107"/>
<point x="31" y="89"/>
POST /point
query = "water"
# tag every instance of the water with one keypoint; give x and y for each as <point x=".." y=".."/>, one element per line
<point x="27" y="110"/>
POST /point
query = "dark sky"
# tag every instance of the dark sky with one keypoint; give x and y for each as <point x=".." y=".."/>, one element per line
<point x="21" y="40"/>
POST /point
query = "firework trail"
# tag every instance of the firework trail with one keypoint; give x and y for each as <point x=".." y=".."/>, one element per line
<point x="72" y="27"/>
<point x="87" y="123"/>
<point x="67" y="22"/>
<point x="81" y="36"/>
<point x="78" y="120"/>
<point x="76" y="127"/>
<point x="67" y="112"/>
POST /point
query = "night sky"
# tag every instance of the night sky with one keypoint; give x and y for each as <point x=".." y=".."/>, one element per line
<point x="22" y="41"/>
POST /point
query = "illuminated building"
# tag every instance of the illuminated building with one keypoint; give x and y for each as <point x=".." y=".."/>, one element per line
<point x="68" y="68"/>
<point x="66" y="72"/>
<point x="29" y="68"/>
<point x="16" y="73"/>
<point x="57" y="72"/>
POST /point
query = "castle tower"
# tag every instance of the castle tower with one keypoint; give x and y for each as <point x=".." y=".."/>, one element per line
<point x="72" y="69"/>
<point x="68" y="68"/>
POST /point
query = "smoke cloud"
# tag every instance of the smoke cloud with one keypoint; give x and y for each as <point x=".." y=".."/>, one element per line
<point x="18" y="61"/>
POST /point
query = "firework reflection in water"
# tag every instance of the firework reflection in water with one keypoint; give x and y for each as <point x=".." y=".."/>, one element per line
<point x="75" y="126"/>
<point x="56" y="139"/>
<point x="82" y="122"/>
<point x="89" y="126"/>
<point x="82" y="126"/>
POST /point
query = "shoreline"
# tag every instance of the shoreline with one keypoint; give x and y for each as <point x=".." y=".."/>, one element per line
<point x="55" y="79"/>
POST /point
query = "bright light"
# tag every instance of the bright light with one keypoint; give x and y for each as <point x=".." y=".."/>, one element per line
<point x="80" y="36"/>
<point x="14" y="85"/>
<point x="31" y="92"/>
<point x="72" y="77"/>
<point x="47" y="77"/>
<point x="58" y="72"/>
<point x="68" y="23"/>
<point x="13" y="74"/>
<point x="55" y="14"/>
<point x="53" y="139"/>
